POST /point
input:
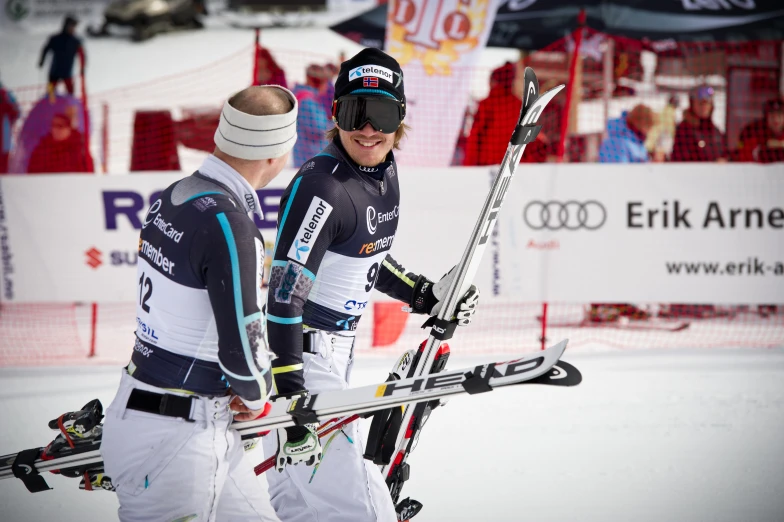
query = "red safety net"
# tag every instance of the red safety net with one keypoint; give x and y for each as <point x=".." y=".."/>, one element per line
<point x="627" y="101"/>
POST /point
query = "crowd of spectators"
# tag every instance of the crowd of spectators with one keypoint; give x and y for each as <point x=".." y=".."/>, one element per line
<point x="639" y="135"/>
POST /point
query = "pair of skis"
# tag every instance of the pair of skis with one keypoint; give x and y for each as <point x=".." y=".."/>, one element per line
<point x="396" y="470"/>
<point x="426" y="384"/>
<point x="342" y="405"/>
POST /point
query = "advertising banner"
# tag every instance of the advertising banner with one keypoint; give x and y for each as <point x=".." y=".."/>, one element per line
<point x="688" y="233"/>
<point x="437" y="43"/>
<point x="685" y="233"/>
<point x="75" y="238"/>
<point x="72" y="238"/>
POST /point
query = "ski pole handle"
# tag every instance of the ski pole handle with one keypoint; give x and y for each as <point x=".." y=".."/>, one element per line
<point x="324" y="430"/>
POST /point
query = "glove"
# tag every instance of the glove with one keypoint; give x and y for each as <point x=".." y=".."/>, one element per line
<point x="298" y="444"/>
<point x="428" y="298"/>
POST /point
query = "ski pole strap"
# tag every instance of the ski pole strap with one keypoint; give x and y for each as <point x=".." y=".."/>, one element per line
<point x="23" y="468"/>
<point x="165" y="404"/>
<point x="441" y="330"/>
<point x="525" y="134"/>
<point x="301" y="410"/>
<point x="475" y="383"/>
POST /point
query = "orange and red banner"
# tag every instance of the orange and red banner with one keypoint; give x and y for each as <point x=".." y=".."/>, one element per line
<point x="437" y="43"/>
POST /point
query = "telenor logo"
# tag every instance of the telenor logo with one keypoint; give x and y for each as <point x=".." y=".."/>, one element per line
<point x="317" y="214"/>
<point x="371" y="70"/>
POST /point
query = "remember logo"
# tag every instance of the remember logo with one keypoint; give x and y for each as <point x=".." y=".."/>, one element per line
<point x="317" y="214"/>
<point x="371" y="70"/>
<point x="156" y="257"/>
<point x="383" y="243"/>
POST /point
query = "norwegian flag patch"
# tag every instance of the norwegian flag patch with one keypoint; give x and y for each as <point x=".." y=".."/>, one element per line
<point x="370" y="82"/>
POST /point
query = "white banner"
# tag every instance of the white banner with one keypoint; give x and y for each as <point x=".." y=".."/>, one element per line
<point x="668" y="233"/>
<point x="71" y="238"/>
<point x="437" y="43"/>
<point x="672" y="233"/>
<point x="74" y="238"/>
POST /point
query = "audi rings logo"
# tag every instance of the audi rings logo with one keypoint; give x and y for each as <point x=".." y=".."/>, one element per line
<point x="568" y="215"/>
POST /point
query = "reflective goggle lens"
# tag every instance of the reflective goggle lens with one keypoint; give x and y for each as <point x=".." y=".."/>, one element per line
<point x="354" y="112"/>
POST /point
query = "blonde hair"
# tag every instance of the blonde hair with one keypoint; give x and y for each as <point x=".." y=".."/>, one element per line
<point x="400" y="133"/>
<point x="642" y="116"/>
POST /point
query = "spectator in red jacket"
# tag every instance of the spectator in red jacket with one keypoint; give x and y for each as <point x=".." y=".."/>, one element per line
<point x="269" y="72"/>
<point x="495" y="119"/>
<point x="696" y="137"/>
<point x="763" y="140"/>
<point x="62" y="150"/>
<point x="9" y="113"/>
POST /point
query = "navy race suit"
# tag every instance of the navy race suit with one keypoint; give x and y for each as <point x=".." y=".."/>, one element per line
<point x="337" y="222"/>
<point x="199" y="301"/>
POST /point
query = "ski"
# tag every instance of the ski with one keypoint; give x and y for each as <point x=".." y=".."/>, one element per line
<point x="442" y="327"/>
<point x="385" y="450"/>
<point x="538" y="368"/>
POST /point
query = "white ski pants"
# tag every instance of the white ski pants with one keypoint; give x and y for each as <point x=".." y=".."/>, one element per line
<point x="167" y="469"/>
<point x="345" y="487"/>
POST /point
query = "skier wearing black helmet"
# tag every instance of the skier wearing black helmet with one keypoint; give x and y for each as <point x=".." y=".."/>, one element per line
<point x="337" y="223"/>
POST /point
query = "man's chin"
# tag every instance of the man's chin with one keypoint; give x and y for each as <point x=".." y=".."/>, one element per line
<point x="367" y="160"/>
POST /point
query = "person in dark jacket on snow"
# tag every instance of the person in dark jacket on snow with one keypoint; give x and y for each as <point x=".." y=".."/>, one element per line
<point x="625" y="142"/>
<point x="696" y="137"/>
<point x="64" y="47"/>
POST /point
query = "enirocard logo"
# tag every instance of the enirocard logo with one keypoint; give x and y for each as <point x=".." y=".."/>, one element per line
<point x="374" y="218"/>
<point x="94" y="258"/>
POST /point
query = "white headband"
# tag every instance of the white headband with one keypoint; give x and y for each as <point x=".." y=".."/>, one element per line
<point x="257" y="137"/>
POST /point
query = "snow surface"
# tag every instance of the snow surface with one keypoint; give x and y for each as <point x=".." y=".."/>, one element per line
<point x="648" y="436"/>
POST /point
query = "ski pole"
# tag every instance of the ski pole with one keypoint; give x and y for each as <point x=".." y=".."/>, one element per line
<point x="324" y="430"/>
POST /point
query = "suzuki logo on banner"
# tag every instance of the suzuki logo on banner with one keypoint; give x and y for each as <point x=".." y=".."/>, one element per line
<point x="567" y="215"/>
<point x="93" y="258"/>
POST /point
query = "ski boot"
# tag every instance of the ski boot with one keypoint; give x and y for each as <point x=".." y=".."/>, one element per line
<point x="80" y="431"/>
<point x="384" y="429"/>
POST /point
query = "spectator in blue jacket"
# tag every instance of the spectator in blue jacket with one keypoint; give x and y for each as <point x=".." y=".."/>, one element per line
<point x="313" y="120"/>
<point x="64" y="47"/>
<point x="9" y="113"/>
<point x="625" y="142"/>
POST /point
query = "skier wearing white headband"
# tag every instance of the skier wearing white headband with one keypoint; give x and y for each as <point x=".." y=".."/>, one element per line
<point x="199" y="354"/>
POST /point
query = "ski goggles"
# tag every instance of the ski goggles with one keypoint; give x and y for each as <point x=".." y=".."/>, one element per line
<point x="353" y="112"/>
